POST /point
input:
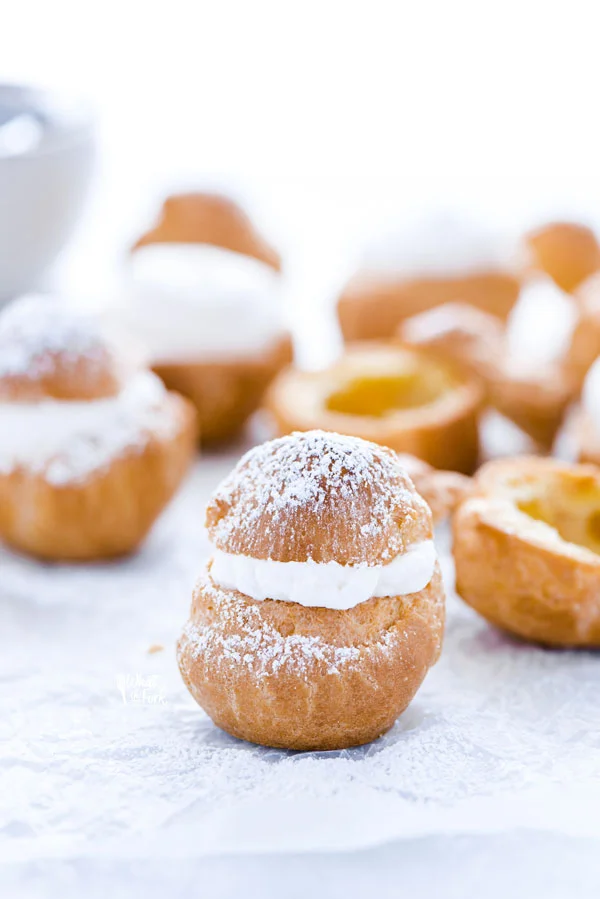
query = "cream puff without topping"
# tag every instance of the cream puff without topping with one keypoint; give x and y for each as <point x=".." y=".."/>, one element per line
<point x="527" y="549"/>
<point x="398" y="397"/>
<point x="322" y="606"/>
<point x="91" y="449"/>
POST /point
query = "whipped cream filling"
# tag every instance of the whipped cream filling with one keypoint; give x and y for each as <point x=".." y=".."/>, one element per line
<point x="65" y="440"/>
<point x="196" y="302"/>
<point x="540" y="326"/>
<point x="590" y="397"/>
<point x="326" y="585"/>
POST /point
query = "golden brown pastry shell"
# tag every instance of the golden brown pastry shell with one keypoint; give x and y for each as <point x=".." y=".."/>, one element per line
<point x="319" y="702"/>
<point x="443" y="433"/>
<point x="226" y="393"/>
<point x="107" y="514"/>
<point x="369" y="520"/>
<point x="517" y="571"/>
<point x="371" y="308"/>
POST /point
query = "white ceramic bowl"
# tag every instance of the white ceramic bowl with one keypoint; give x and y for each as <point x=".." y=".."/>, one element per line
<point x="46" y="158"/>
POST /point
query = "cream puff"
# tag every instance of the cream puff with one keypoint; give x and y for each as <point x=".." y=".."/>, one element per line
<point x="210" y="219"/>
<point x="527" y="549"/>
<point x="211" y="324"/>
<point x="441" y="262"/>
<point x="522" y="367"/>
<point x="91" y="449"/>
<point x="398" y="397"/>
<point x="322" y="606"/>
<point x="569" y="253"/>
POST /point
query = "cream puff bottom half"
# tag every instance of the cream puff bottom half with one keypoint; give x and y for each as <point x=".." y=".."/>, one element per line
<point x="308" y="678"/>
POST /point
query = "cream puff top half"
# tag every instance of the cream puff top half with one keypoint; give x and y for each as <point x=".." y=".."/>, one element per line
<point x="200" y="303"/>
<point x="440" y="248"/>
<point x="69" y="403"/>
<point x="320" y="519"/>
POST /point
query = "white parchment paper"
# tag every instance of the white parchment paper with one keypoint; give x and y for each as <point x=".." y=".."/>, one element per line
<point x="104" y="754"/>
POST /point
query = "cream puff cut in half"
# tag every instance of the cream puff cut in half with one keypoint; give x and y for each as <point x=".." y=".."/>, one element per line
<point x="396" y="396"/>
<point x="527" y="549"/>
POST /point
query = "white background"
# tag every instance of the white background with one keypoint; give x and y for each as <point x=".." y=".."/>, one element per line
<point x="328" y="116"/>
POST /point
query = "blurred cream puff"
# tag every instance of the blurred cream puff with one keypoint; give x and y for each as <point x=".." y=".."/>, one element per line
<point x="91" y="447"/>
<point x="443" y="261"/>
<point x="211" y="324"/>
<point x="521" y="365"/>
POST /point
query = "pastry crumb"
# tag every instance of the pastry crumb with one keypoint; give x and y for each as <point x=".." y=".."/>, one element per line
<point x="156" y="647"/>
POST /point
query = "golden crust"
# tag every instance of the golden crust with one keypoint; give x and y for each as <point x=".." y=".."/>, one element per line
<point x="568" y="252"/>
<point x="292" y="677"/>
<point x="535" y="400"/>
<point x="526" y="550"/>
<point x="213" y="219"/>
<point x="441" y="490"/>
<point x="318" y="496"/>
<point x="111" y="511"/>
<point x="371" y="308"/>
<point x="226" y="393"/>
<point x="438" y="424"/>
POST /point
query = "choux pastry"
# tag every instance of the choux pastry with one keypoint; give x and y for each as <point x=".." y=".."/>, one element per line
<point x="211" y="324"/>
<point x="91" y="450"/>
<point x="395" y="396"/>
<point x="527" y="549"/>
<point x="443" y="262"/>
<point x="568" y="252"/>
<point x="534" y="395"/>
<point x="322" y="606"/>
<point x="211" y="219"/>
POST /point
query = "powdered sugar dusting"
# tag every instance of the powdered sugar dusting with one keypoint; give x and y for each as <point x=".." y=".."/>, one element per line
<point x="243" y="638"/>
<point x="320" y="474"/>
<point x="36" y="329"/>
